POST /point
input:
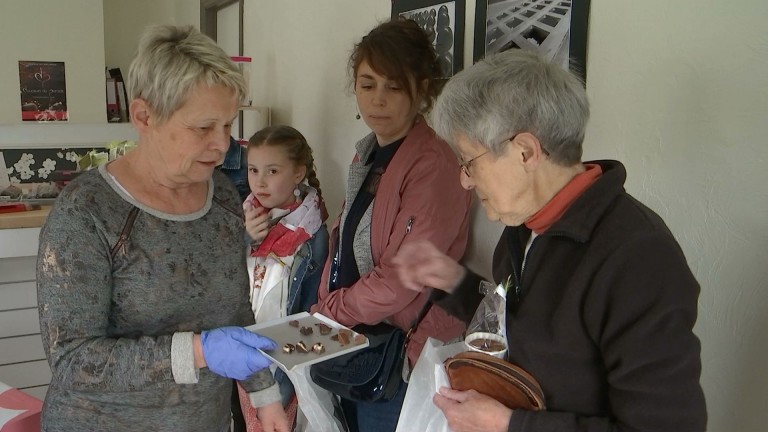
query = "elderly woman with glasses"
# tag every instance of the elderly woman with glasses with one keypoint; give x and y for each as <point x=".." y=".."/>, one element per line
<point x="601" y="302"/>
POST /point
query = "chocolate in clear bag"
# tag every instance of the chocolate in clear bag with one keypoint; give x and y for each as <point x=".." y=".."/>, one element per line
<point x="487" y="332"/>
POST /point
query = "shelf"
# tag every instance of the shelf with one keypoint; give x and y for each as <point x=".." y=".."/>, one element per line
<point x="247" y="124"/>
<point x="252" y="108"/>
<point x="263" y="110"/>
<point x="63" y="135"/>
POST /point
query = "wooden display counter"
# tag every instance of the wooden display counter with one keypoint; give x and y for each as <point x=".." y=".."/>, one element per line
<point x="24" y="219"/>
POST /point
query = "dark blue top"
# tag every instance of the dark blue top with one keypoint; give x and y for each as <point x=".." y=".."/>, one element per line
<point x="347" y="272"/>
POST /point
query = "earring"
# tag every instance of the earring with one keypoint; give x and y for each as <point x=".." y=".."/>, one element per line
<point x="357" y="116"/>
<point x="297" y="192"/>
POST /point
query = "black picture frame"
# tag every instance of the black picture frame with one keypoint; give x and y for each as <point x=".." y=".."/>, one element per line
<point x="529" y="24"/>
<point x="444" y="21"/>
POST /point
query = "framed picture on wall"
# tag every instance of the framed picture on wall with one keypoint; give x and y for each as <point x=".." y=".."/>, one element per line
<point x="557" y="29"/>
<point x="43" y="88"/>
<point x="444" y="22"/>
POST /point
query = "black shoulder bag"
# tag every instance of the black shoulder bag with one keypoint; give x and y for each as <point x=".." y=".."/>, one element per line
<point x="373" y="373"/>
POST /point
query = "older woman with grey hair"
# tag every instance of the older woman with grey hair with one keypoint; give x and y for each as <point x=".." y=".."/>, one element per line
<point x="600" y="301"/>
<point x="141" y="270"/>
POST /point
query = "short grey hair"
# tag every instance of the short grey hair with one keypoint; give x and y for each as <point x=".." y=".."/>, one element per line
<point x="512" y="92"/>
<point x="171" y="61"/>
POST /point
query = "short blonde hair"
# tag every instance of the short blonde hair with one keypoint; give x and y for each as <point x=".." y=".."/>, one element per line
<point x="171" y="61"/>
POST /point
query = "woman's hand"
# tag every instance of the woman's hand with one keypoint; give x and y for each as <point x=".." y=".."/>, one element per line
<point x="231" y="352"/>
<point x="420" y="264"/>
<point x="257" y="223"/>
<point x="273" y="418"/>
<point x="470" y="411"/>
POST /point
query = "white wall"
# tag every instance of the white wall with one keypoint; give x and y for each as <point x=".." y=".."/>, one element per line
<point x="678" y="91"/>
<point x="227" y="29"/>
<point x="300" y="50"/>
<point x="124" y="22"/>
<point x="71" y="32"/>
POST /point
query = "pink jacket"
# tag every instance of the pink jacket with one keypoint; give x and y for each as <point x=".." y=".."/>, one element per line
<point x="420" y="184"/>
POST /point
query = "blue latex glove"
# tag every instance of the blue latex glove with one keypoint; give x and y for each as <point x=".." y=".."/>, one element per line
<point x="232" y="351"/>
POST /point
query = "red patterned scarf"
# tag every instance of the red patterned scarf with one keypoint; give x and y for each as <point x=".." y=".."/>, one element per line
<point x="297" y="226"/>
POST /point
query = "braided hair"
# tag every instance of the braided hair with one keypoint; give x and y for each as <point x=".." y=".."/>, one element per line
<point x="296" y="147"/>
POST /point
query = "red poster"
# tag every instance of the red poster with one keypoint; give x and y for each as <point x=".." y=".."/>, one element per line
<point x="43" y="91"/>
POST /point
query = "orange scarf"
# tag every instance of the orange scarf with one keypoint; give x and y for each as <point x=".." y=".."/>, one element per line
<point x="556" y="207"/>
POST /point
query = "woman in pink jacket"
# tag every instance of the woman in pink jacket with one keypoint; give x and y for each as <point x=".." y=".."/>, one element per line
<point x="403" y="186"/>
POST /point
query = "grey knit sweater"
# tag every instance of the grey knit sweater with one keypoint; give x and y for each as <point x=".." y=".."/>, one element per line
<point x="117" y="327"/>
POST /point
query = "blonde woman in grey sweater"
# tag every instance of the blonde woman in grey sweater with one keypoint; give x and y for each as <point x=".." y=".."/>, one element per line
<point x="141" y="270"/>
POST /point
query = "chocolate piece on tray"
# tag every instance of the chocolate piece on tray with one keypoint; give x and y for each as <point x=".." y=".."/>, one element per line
<point x="293" y="323"/>
<point x="289" y="348"/>
<point x="359" y="339"/>
<point x="318" y="348"/>
<point x="344" y="337"/>
<point x="323" y="329"/>
<point x="306" y="330"/>
<point x="301" y="347"/>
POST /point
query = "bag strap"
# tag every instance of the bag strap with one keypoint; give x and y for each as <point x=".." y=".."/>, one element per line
<point x="422" y="313"/>
<point x="129" y="221"/>
<point x="125" y="232"/>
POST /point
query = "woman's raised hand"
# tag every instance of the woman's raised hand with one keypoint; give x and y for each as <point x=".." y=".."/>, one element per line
<point x="420" y="264"/>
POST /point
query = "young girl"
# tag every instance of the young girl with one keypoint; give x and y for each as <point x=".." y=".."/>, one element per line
<point x="284" y="217"/>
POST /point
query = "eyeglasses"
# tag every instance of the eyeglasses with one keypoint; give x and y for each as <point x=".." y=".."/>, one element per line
<point x="465" y="166"/>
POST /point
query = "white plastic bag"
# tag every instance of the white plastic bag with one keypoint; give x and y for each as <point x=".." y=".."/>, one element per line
<point x="419" y="413"/>
<point x="315" y="413"/>
<point x="491" y="313"/>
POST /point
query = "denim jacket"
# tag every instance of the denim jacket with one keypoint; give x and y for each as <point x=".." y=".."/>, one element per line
<point x="235" y="167"/>
<point x="306" y="271"/>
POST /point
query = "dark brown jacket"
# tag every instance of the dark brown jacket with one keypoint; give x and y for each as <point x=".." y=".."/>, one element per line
<point x="604" y="318"/>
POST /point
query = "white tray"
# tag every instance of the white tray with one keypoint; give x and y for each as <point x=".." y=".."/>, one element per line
<point x="281" y="332"/>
